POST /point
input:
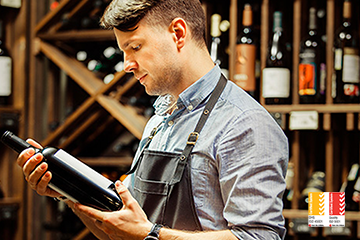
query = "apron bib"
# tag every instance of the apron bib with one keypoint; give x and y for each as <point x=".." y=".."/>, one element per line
<point x="162" y="184"/>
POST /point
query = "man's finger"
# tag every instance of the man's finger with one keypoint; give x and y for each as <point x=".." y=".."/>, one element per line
<point x="89" y="211"/>
<point x="123" y="192"/>
<point x="34" y="143"/>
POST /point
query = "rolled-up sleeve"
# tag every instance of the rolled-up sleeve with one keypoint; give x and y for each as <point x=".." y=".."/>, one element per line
<point x="252" y="157"/>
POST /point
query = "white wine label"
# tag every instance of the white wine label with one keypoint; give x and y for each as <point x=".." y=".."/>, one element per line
<point x="351" y="69"/>
<point x="276" y="83"/>
<point x="304" y="120"/>
<point x="5" y="76"/>
<point x="82" y="168"/>
<point x="326" y="209"/>
<point x="11" y="3"/>
<point x="338" y="59"/>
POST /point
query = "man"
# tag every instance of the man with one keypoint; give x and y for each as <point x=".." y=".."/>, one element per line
<point x="211" y="163"/>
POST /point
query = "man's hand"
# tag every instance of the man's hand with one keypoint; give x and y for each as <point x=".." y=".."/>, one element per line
<point x="36" y="174"/>
<point x="129" y="223"/>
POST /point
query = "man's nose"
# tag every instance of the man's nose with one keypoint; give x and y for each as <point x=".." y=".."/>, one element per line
<point x="130" y="65"/>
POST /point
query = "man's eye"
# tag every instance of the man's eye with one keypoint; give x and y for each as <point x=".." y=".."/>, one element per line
<point x="137" y="47"/>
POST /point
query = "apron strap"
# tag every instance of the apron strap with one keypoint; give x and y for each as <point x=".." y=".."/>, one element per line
<point x="195" y="134"/>
<point x="149" y="139"/>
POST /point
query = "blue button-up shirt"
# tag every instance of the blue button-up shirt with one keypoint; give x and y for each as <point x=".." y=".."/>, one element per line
<point x="238" y="164"/>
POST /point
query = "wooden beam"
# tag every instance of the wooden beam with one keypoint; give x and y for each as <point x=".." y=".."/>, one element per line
<point x="75" y="69"/>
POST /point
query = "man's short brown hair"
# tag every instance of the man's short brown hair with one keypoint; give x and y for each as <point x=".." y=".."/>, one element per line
<point x="126" y="14"/>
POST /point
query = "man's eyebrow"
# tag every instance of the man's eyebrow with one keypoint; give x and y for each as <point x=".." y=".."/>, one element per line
<point x="125" y="45"/>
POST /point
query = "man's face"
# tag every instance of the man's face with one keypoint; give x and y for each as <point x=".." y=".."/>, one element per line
<point x="151" y="54"/>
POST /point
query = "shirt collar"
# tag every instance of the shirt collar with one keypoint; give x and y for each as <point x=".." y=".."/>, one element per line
<point x="192" y="96"/>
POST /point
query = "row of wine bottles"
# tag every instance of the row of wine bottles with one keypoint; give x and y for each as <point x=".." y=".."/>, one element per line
<point x="276" y="87"/>
<point x="103" y="62"/>
<point x="316" y="183"/>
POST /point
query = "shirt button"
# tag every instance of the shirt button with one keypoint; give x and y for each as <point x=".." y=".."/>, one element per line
<point x="190" y="107"/>
<point x="170" y="123"/>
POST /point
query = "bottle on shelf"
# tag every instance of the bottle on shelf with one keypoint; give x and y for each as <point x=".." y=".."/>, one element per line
<point x="346" y="76"/>
<point x="218" y="47"/>
<point x="5" y="68"/>
<point x="289" y="190"/>
<point x="244" y="75"/>
<point x="72" y="178"/>
<point x="315" y="184"/>
<point x="276" y="75"/>
<point x="312" y="66"/>
<point x="348" y="187"/>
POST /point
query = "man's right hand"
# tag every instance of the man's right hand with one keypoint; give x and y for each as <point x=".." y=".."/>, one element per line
<point x="37" y="175"/>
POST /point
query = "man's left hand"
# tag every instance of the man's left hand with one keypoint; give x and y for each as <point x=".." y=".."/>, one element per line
<point x="128" y="223"/>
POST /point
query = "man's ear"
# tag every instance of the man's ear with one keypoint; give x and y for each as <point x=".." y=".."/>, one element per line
<point x="179" y="29"/>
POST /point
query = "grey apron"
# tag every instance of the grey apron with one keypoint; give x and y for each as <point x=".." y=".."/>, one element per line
<point x="162" y="184"/>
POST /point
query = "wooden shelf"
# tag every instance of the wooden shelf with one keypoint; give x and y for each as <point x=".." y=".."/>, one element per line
<point x="325" y="108"/>
<point x="79" y="36"/>
<point x="10" y="201"/>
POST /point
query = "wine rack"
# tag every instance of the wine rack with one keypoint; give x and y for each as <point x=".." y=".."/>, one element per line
<point x="61" y="103"/>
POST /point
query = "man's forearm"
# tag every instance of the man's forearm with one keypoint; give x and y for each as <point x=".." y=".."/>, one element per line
<point x="170" y="234"/>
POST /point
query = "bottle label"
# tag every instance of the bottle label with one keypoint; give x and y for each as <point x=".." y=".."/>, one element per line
<point x="245" y="67"/>
<point x="82" y="169"/>
<point x="322" y="78"/>
<point x="276" y="83"/>
<point x="307" y="79"/>
<point x="351" y="90"/>
<point x="338" y="59"/>
<point x="5" y="73"/>
<point x="351" y="66"/>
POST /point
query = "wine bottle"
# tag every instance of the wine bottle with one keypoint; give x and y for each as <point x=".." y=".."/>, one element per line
<point x="346" y="78"/>
<point x="5" y="69"/>
<point x="115" y="60"/>
<point x="289" y="190"/>
<point x="244" y="75"/>
<point x="356" y="193"/>
<point x="315" y="184"/>
<point x="276" y="74"/>
<point x="217" y="47"/>
<point x="72" y="178"/>
<point x="348" y="187"/>
<point x="312" y="68"/>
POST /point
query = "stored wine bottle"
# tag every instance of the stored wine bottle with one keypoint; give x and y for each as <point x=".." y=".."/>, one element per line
<point x="346" y="78"/>
<point x="315" y="184"/>
<point x="246" y="54"/>
<point x="5" y="69"/>
<point x="72" y="178"/>
<point x="348" y="187"/>
<point x="356" y="193"/>
<point x="217" y="48"/>
<point x="276" y="74"/>
<point x="289" y="191"/>
<point x="312" y="68"/>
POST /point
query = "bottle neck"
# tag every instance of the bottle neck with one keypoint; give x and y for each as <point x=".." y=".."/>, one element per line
<point x="277" y="27"/>
<point x="312" y="20"/>
<point x="247" y="16"/>
<point x="347" y="10"/>
<point x="215" y="25"/>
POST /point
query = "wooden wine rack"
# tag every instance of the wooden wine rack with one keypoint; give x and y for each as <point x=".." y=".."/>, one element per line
<point x="41" y="62"/>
